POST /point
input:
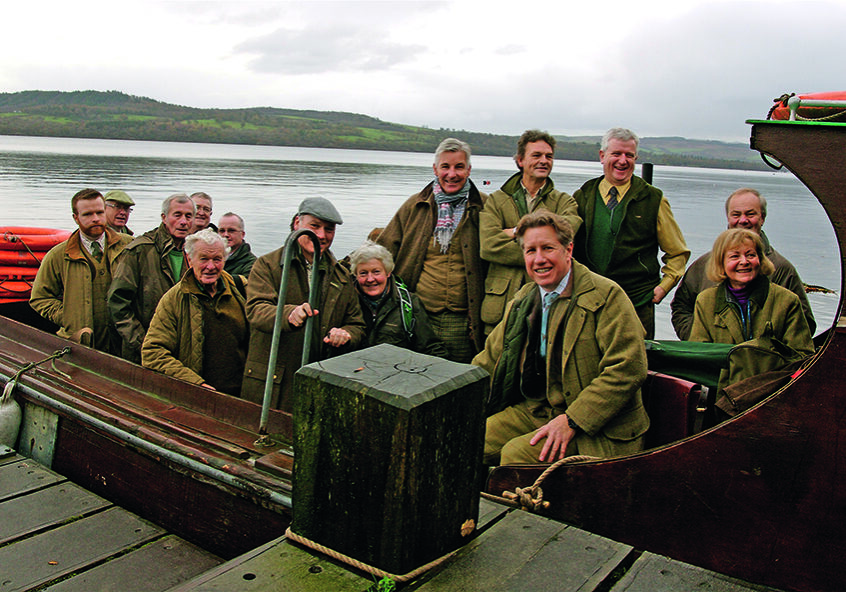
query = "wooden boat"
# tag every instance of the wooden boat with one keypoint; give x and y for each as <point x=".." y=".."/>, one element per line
<point x="176" y="454"/>
<point x="762" y="496"/>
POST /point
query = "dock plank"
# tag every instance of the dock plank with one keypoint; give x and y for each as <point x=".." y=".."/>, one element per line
<point x="155" y="567"/>
<point x="24" y="515"/>
<point x="655" y="573"/>
<point x="279" y="565"/>
<point x="51" y="555"/>
<point x="23" y="476"/>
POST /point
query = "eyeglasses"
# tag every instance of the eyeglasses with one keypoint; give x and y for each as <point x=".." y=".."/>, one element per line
<point x="119" y="207"/>
<point x="206" y="209"/>
<point x="228" y="230"/>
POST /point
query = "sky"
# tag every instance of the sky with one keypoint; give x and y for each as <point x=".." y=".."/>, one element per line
<point x="695" y="68"/>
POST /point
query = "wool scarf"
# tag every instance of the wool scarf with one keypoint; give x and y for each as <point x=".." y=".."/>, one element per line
<point x="450" y="210"/>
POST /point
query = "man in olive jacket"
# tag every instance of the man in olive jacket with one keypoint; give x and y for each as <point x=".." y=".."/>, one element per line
<point x="434" y="240"/>
<point x="526" y="191"/>
<point x="340" y="324"/>
<point x="567" y="361"/>
<point x="150" y="266"/>
<point x="72" y="281"/>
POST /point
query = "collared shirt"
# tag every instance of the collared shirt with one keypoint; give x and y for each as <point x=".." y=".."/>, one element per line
<point x="86" y="241"/>
<point x="669" y="235"/>
<point x="530" y="199"/>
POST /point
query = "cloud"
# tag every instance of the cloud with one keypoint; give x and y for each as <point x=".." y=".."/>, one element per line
<point x="326" y="49"/>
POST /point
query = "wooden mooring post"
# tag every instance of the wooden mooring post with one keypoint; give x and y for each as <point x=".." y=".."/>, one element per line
<point x="387" y="452"/>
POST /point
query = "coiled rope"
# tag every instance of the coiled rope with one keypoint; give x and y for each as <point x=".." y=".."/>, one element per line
<point x="531" y="498"/>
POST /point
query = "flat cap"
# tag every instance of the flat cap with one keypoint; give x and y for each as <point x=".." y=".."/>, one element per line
<point x="320" y="207"/>
<point x="119" y="196"/>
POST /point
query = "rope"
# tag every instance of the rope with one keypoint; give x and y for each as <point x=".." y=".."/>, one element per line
<point x="10" y="385"/>
<point x="531" y="498"/>
<point x="363" y="566"/>
<point x="14" y="238"/>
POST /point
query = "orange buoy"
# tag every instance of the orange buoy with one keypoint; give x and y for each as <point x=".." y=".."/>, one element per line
<point x="823" y="106"/>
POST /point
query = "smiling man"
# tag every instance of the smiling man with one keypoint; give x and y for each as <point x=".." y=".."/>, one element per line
<point x="150" y="266"/>
<point x="72" y="281"/>
<point x="528" y="190"/>
<point x="434" y="240"/>
<point x="339" y="327"/>
<point x="567" y="360"/>
<point x="626" y="221"/>
<point x="118" y="208"/>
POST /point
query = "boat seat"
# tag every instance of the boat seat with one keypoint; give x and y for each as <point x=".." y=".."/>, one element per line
<point x="671" y="404"/>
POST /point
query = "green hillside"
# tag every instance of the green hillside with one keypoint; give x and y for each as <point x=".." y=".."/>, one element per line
<point x="116" y="115"/>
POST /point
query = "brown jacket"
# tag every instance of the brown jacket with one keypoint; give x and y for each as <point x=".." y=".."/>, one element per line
<point x="338" y="307"/>
<point x="407" y="237"/>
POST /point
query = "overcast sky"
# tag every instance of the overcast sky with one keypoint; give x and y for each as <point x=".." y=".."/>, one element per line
<point x="697" y="68"/>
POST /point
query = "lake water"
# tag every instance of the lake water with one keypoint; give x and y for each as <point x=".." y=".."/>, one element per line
<point x="264" y="184"/>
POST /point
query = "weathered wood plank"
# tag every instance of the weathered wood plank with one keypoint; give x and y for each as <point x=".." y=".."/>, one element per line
<point x="49" y="556"/>
<point x="279" y="565"/>
<point x="525" y="552"/>
<point x="8" y="455"/>
<point x="490" y="512"/>
<point x="58" y="503"/>
<point x="25" y="475"/>
<point x="155" y="567"/>
<point x="654" y="573"/>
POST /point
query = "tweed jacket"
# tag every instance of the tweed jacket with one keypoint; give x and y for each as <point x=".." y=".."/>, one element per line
<point x="595" y="363"/>
<point x="506" y="269"/>
<point x="407" y="237"/>
<point x="63" y="288"/>
<point x="338" y="307"/>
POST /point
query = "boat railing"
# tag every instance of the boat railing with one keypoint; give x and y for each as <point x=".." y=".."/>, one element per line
<point x="795" y="102"/>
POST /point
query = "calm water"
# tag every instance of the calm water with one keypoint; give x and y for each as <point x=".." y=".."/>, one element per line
<point x="265" y="184"/>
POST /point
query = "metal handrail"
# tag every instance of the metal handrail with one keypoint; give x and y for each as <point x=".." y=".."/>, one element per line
<point x="313" y="294"/>
<point x="794" y="102"/>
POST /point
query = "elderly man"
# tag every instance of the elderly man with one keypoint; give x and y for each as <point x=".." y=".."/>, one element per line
<point x="118" y="207"/>
<point x="745" y="208"/>
<point x="566" y="362"/>
<point x="199" y="332"/>
<point x="150" y="266"/>
<point x="73" y="280"/>
<point x="526" y="191"/>
<point x="434" y="240"/>
<point x="240" y="259"/>
<point x="203" y="211"/>
<point x="339" y="325"/>
<point x="626" y="221"/>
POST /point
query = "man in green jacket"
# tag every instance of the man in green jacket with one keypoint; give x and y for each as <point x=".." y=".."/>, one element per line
<point x="526" y="191"/>
<point x="626" y="221"/>
<point x="340" y="324"/>
<point x="72" y="281"/>
<point x="240" y="259"/>
<point x="566" y="362"/>
<point x="150" y="266"/>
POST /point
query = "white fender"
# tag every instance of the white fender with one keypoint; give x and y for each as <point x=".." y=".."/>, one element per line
<point x="10" y="416"/>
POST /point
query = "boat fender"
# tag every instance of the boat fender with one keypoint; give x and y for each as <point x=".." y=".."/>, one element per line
<point x="10" y="416"/>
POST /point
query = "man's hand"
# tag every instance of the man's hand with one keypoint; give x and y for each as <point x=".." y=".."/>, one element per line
<point x="337" y="337"/>
<point x="558" y="434"/>
<point x="299" y="315"/>
<point x="658" y="294"/>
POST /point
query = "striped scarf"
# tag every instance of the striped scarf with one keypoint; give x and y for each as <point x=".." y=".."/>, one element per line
<point x="450" y="210"/>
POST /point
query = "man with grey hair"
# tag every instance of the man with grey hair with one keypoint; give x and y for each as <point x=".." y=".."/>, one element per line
<point x="148" y="267"/>
<point x="203" y="211"/>
<point x="745" y="208"/>
<point x="434" y="239"/>
<point x="240" y="260"/>
<point x="626" y="222"/>
<point x="199" y="332"/>
<point x="528" y="190"/>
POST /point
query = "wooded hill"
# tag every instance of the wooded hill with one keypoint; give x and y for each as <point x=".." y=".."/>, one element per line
<point x="116" y="115"/>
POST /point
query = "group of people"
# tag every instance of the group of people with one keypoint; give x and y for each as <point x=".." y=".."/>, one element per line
<point x="552" y="294"/>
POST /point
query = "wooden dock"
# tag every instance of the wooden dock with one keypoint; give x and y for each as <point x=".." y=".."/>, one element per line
<point x="514" y="552"/>
<point x="57" y="536"/>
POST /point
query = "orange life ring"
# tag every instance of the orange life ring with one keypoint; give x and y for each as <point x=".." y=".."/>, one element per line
<point x="25" y="246"/>
<point x="781" y="110"/>
<point x="15" y="290"/>
<point x="13" y="272"/>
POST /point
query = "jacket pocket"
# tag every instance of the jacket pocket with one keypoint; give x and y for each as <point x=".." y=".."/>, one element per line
<point x="255" y="376"/>
<point x="496" y="297"/>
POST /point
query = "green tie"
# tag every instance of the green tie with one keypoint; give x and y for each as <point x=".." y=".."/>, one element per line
<point x="96" y="251"/>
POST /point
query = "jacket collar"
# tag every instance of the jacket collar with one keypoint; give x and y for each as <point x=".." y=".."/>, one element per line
<point x="758" y="294"/>
<point x="74" y="248"/>
<point x="514" y="182"/>
<point x="428" y="196"/>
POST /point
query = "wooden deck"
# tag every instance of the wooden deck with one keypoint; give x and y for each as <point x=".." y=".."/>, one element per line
<point x="514" y="552"/>
<point x="57" y="536"/>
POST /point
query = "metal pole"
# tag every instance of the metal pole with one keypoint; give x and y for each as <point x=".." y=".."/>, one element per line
<point x="314" y="291"/>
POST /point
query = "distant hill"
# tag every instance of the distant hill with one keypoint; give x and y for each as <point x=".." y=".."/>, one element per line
<point x="116" y="115"/>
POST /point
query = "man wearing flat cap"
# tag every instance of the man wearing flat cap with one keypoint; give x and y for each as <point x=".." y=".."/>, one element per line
<point x="118" y="207"/>
<point x="339" y="325"/>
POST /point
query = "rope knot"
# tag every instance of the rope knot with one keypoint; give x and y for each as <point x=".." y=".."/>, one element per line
<point x="529" y="498"/>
